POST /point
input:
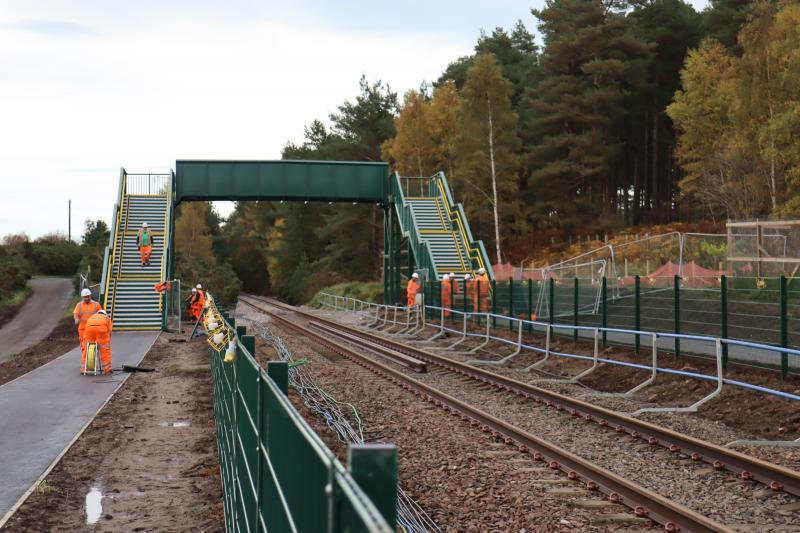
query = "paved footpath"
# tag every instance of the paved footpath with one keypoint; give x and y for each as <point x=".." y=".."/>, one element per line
<point x="42" y="411"/>
<point x="44" y="308"/>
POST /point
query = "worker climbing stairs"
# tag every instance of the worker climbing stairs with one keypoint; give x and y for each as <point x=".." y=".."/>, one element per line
<point x="436" y="227"/>
<point x="128" y="285"/>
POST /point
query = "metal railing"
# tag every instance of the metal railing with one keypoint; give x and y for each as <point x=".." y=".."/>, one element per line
<point x="111" y="253"/>
<point x="475" y="249"/>
<point x="277" y="474"/>
<point x="379" y="314"/>
<point x="147" y="184"/>
<point x="409" y="228"/>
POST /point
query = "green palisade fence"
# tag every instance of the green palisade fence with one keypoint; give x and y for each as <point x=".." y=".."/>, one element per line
<point x="277" y="475"/>
<point x="727" y="307"/>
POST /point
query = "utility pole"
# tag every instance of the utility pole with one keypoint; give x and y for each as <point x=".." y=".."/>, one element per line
<point x="69" y="220"/>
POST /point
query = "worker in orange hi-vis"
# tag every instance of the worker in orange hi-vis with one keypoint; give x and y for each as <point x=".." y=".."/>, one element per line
<point x="82" y="312"/>
<point x="161" y="287"/>
<point x="484" y="284"/>
<point x="412" y="289"/>
<point x="202" y="299"/>
<point x="144" y="240"/>
<point x="471" y="291"/>
<point x="98" y="330"/>
<point x="191" y="303"/>
<point x="447" y="294"/>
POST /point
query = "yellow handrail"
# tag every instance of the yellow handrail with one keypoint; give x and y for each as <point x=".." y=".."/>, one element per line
<point x="114" y="249"/>
<point x="472" y="251"/>
<point x="127" y="201"/>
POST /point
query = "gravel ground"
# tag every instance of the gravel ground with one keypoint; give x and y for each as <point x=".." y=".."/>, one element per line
<point x="733" y="415"/>
<point x="462" y="479"/>
<point x="697" y="486"/>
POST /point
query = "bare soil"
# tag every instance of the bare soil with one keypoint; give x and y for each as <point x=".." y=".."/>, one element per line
<point x="760" y="415"/>
<point x="62" y="339"/>
<point x="151" y="452"/>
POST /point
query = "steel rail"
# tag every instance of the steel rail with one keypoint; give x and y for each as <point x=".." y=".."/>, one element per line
<point x="644" y="502"/>
<point x="774" y="476"/>
<point x="394" y="356"/>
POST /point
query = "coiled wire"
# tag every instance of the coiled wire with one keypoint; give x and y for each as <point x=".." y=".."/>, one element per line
<point x="343" y="420"/>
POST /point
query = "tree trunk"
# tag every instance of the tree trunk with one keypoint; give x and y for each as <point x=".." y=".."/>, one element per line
<point x="658" y="199"/>
<point x="494" y="184"/>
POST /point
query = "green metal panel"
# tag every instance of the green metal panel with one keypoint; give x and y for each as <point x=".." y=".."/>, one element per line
<point x="328" y="181"/>
<point x="277" y="474"/>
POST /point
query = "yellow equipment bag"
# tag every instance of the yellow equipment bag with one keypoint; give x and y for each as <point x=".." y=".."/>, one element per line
<point x="91" y="357"/>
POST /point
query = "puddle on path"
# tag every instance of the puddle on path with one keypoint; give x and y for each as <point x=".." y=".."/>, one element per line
<point x="178" y="424"/>
<point x="94" y="505"/>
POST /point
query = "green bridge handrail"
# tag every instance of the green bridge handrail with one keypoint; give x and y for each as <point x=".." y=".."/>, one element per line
<point x="277" y="474"/>
<point x="409" y="228"/>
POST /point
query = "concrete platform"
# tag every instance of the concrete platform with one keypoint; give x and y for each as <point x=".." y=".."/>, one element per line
<point x="42" y="412"/>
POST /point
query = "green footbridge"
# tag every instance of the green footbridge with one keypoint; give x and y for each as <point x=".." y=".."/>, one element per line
<point x="424" y="228"/>
<point x="277" y="474"/>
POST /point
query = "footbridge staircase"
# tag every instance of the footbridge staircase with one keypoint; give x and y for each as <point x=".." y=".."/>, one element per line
<point x="435" y="227"/>
<point x="127" y="287"/>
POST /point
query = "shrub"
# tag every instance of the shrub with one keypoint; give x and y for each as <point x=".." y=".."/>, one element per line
<point x="219" y="279"/>
<point x="55" y="255"/>
<point x="14" y="272"/>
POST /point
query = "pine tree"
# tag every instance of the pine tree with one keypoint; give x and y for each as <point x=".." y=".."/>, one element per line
<point x="579" y="110"/>
<point x="486" y="148"/>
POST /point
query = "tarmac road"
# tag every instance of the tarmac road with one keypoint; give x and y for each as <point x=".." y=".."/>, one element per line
<point x="38" y="316"/>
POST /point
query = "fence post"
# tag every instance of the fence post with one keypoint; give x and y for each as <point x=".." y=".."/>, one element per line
<point x="575" y="309"/>
<point x="510" y="304"/>
<point x="637" y="313"/>
<point x="677" y="300"/>
<point x="530" y="304"/>
<point x="494" y="303"/>
<point x="477" y="304"/>
<point x="784" y="327"/>
<point x="260" y="410"/>
<point x="279" y="372"/>
<point x="453" y="286"/>
<point x="723" y="296"/>
<point x="249" y="342"/>
<point x="604" y="296"/>
<point x="551" y="304"/>
<point x="374" y="468"/>
<point x="241" y="331"/>
<point x="464" y="307"/>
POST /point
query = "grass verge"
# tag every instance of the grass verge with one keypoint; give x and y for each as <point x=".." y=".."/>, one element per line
<point x="369" y="291"/>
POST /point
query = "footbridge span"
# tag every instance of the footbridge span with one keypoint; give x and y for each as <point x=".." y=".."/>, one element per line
<point x="424" y="228"/>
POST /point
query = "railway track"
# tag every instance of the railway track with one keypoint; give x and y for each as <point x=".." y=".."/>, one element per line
<point x="642" y="501"/>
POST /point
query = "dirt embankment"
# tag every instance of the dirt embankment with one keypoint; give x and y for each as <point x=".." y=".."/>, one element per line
<point x="151" y="453"/>
<point x="63" y="338"/>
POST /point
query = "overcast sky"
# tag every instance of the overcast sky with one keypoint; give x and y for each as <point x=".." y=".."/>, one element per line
<point x="87" y="86"/>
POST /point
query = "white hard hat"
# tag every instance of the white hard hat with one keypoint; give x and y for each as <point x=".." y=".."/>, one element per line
<point x="199" y="286"/>
<point x="446" y="276"/>
<point x="194" y="290"/>
<point x="452" y="275"/>
<point x="481" y="270"/>
<point x="85" y="293"/>
<point x="467" y="276"/>
<point x="415" y="275"/>
<point x="103" y="312"/>
<point x="144" y="224"/>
